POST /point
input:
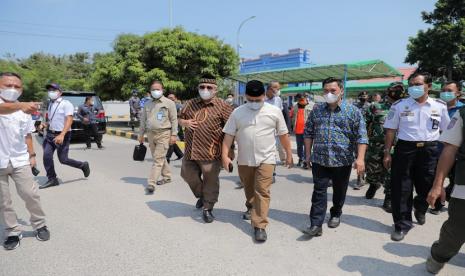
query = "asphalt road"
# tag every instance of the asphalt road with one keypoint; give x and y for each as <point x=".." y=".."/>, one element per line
<point x="106" y="225"/>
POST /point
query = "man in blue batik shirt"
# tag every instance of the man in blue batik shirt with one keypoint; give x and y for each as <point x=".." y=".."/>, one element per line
<point x="336" y="131"/>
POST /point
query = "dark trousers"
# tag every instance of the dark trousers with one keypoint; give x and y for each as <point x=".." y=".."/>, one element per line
<point x="321" y="176"/>
<point x="62" y="150"/>
<point x="91" y="130"/>
<point x="452" y="235"/>
<point x="412" y="166"/>
<point x="174" y="148"/>
<point x="299" y="138"/>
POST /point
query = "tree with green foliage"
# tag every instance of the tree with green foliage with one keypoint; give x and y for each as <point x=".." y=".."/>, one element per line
<point x="173" y="56"/>
<point x="440" y="49"/>
<point x="72" y="72"/>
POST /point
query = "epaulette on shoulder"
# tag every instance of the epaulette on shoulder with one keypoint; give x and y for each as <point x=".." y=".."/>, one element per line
<point x="440" y="101"/>
<point x="396" y="102"/>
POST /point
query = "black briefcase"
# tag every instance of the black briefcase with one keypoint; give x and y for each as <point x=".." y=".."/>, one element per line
<point x="139" y="152"/>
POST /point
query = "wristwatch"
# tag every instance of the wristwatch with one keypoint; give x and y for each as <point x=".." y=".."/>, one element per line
<point x="32" y="155"/>
<point x="387" y="151"/>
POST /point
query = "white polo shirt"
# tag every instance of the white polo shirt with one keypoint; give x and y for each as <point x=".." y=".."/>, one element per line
<point x="453" y="135"/>
<point x="255" y="132"/>
<point x="13" y="129"/>
<point x="418" y="122"/>
<point x="57" y="112"/>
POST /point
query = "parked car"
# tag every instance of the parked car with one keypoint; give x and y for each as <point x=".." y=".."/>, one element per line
<point x="77" y="98"/>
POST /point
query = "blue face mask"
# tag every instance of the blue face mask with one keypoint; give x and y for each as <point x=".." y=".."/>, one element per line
<point x="447" y="96"/>
<point x="416" y="91"/>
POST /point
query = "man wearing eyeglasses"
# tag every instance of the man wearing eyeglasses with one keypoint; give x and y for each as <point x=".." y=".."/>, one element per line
<point x="204" y="118"/>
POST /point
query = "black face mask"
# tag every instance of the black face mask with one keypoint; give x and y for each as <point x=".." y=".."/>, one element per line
<point x="362" y="100"/>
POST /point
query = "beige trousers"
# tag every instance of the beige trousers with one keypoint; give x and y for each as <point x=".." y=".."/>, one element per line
<point x="27" y="189"/>
<point x="159" y="143"/>
<point x="257" y="182"/>
<point x="203" y="179"/>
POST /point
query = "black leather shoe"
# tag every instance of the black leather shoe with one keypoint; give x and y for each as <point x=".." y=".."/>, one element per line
<point x="199" y="203"/>
<point x="420" y="217"/>
<point x="305" y="166"/>
<point x="12" y="242"/>
<point x="398" y="235"/>
<point x="260" y="235"/>
<point x="50" y="183"/>
<point x="334" y="222"/>
<point x="371" y="191"/>
<point x="387" y="205"/>
<point x="86" y="169"/>
<point x="314" y="231"/>
<point x="299" y="164"/>
<point x="208" y="216"/>
<point x="247" y="215"/>
<point x="150" y="189"/>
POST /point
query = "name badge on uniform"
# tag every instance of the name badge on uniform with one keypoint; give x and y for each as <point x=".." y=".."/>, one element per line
<point x="160" y="115"/>
<point x="435" y="124"/>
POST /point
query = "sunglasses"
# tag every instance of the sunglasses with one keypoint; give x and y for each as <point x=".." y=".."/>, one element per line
<point x="206" y="87"/>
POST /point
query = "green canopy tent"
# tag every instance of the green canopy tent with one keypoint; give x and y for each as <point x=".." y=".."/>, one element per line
<point x="352" y="88"/>
<point x="349" y="71"/>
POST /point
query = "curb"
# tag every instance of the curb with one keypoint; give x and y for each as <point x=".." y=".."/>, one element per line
<point x="133" y="136"/>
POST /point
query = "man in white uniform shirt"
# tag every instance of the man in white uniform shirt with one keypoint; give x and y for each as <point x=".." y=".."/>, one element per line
<point x="17" y="156"/>
<point x="60" y="118"/>
<point x="254" y="126"/>
<point x="417" y="120"/>
<point x="452" y="236"/>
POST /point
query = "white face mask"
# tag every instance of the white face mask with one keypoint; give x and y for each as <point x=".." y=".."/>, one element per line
<point x="255" y="105"/>
<point x="331" y="98"/>
<point x="205" y="94"/>
<point x="156" y="93"/>
<point x="53" y="95"/>
<point x="9" y="94"/>
<point x="278" y="93"/>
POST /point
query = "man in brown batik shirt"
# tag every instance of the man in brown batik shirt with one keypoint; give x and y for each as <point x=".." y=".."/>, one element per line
<point x="204" y="119"/>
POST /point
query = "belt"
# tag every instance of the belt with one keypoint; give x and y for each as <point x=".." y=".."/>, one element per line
<point x="418" y="144"/>
<point x="53" y="132"/>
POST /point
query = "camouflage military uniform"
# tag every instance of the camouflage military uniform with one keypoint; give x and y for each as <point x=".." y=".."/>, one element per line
<point x="363" y="107"/>
<point x="376" y="173"/>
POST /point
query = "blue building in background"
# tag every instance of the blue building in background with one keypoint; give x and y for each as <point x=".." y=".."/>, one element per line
<point x="294" y="58"/>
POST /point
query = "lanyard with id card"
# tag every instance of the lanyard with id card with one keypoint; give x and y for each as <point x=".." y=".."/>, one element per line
<point x="160" y="115"/>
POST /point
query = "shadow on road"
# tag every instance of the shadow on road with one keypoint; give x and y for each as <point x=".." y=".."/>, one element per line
<point x="372" y="266"/>
<point x="295" y="220"/>
<point x="420" y="251"/>
<point x="134" y="180"/>
<point x="366" y="224"/>
<point x="173" y="209"/>
<point x="298" y="178"/>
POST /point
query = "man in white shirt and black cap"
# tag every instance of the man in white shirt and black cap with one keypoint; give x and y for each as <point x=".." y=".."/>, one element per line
<point x="255" y="126"/>
<point x="417" y="121"/>
<point x="58" y="137"/>
<point x="17" y="156"/>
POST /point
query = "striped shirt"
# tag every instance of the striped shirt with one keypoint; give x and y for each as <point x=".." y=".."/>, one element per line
<point x="335" y="134"/>
<point x="204" y="142"/>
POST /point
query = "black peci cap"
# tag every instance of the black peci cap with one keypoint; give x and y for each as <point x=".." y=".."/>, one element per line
<point x="254" y="88"/>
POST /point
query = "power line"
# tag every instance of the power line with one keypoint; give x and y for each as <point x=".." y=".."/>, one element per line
<point x="55" y="36"/>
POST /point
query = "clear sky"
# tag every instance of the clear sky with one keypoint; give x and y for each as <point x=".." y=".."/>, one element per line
<point x="334" y="30"/>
